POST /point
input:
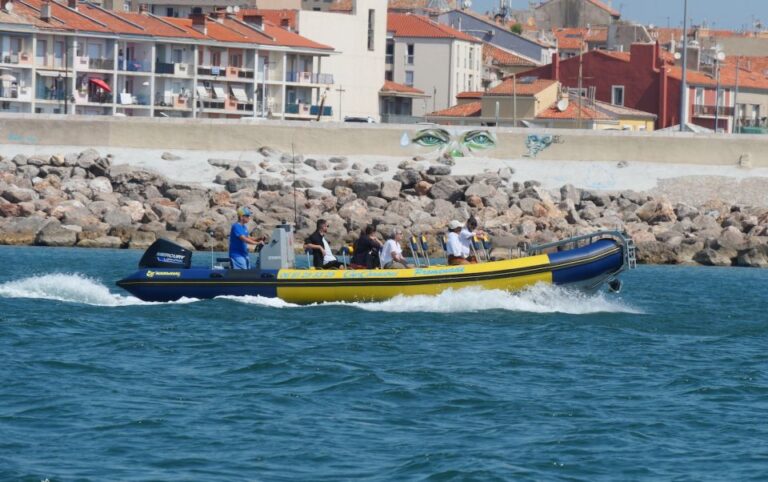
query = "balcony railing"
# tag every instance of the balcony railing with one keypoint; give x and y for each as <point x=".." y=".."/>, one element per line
<point x="16" y="58"/>
<point x="134" y="65"/>
<point x="173" y="69"/>
<point x="101" y="64"/>
<point x="711" y="110"/>
<point x="390" y="59"/>
<point x="309" y="78"/>
<point x="400" y="119"/>
<point x="307" y="110"/>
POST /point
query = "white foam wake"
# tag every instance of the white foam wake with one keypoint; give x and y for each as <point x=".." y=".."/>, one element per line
<point x="71" y="288"/>
<point x="540" y="298"/>
<point x="260" y="300"/>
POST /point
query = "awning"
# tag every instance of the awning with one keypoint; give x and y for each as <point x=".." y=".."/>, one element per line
<point x="202" y="92"/>
<point x="100" y="84"/>
<point x="7" y="78"/>
<point x="218" y="91"/>
<point x="239" y="94"/>
<point x="49" y="73"/>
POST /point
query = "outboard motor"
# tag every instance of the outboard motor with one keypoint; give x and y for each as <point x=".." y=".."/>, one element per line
<point x="166" y="254"/>
<point x="278" y="252"/>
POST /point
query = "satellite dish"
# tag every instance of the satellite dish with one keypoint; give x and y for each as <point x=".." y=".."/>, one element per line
<point x="467" y="4"/>
<point x="236" y="8"/>
<point x="720" y="56"/>
<point x="562" y="105"/>
<point x="9" y="7"/>
<point x="677" y="55"/>
<point x="229" y="9"/>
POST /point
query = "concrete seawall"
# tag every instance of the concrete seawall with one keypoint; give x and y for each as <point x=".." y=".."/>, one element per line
<point x="375" y="139"/>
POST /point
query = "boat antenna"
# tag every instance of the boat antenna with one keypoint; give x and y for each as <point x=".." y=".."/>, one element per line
<point x="295" y="210"/>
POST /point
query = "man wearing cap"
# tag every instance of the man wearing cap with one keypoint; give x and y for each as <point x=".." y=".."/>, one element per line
<point x="239" y="240"/>
<point x="457" y="253"/>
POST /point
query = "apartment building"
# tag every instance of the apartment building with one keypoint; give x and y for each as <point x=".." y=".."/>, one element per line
<point x="79" y="58"/>
<point x="434" y="58"/>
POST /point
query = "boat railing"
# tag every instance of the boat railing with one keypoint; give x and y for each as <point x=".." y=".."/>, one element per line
<point x="626" y="242"/>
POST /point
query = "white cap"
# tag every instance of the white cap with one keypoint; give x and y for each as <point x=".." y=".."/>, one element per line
<point x="454" y="225"/>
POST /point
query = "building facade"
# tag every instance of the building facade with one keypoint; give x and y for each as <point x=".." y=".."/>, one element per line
<point x="434" y="58"/>
<point x="79" y="58"/>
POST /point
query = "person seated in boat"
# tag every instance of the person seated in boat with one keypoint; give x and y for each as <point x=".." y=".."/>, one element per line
<point x="367" y="247"/>
<point x="239" y="239"/>
<point x="322" y="256"/>
<point x="392" y="252"/>
<point x="467" y="235"/>
<point x="457" y="252"/>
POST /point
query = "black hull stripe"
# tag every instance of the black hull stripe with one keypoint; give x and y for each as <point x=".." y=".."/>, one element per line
<point x="344" y="282"/>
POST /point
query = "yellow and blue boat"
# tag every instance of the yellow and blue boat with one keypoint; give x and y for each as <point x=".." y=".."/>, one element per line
<point x="586" y="263"/>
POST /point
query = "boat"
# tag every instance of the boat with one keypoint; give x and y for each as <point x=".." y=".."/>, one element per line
<point x="584" y="262"/>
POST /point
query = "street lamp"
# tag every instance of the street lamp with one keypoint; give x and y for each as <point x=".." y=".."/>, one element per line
<point x="683" y="86"/>
<point x="719" y="57"/>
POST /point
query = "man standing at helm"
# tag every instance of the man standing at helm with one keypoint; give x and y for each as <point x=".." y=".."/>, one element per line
<point x="239" y="240"/>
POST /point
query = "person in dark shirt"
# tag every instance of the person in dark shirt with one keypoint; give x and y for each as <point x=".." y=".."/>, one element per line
<point x="367" y="247"/>
<point x="322" y="256"/>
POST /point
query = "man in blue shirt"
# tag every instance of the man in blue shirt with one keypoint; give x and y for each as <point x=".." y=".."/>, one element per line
<point x="239" y="241"/>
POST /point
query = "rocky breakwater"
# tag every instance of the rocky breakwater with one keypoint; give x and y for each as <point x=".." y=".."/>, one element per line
<point x="82" y="199"/>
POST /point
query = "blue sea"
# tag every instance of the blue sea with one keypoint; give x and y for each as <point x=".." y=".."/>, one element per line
<point x="666" y="381"/>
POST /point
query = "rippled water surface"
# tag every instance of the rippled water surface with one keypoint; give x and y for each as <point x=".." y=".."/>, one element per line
<point x="667" y="381"/>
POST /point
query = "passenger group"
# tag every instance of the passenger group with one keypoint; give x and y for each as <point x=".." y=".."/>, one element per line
<point x="368" y="252"/>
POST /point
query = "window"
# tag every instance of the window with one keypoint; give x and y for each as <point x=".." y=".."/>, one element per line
<point x="17" y="45"/>
<point x="42" y="52"/>
<point x="471" y="57"/>
<point x="390" y="53"/>
<point x="388" y="75"/>
<point x="371" y="25"/>
<point x="699" y="96"/>
<point x="409" y="78"/>
<point x="409" y="59"/>
<point x="172" y="12"/>
<point x="177" y="56"/>
<point x="617" y="95"/>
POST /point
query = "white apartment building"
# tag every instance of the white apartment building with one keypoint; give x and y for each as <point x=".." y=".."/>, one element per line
<point x="434" y="58"/>
<point x="78" y="58"/>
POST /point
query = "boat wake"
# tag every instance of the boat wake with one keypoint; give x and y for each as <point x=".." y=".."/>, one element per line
<point x="541" y="298"/>
<point x="70" y="288"/>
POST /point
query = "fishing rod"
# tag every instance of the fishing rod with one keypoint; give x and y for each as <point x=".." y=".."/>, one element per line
<point x="295" y="209"/>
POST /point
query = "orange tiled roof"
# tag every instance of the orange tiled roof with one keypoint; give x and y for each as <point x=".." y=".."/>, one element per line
<point x="532" y="88"/>
<point x="390" y="86"/>
<point x="471" y="94"/>
<point x="499" y="56"/>
<point x="571" y="112"/>
<point x="469" y="109"/>
<point x="571" y="38"/>
<point x="277" y="17"/>
<point x="91" y="18"/>
<point x="748" y="79"/>
<point x="408" y="25"/>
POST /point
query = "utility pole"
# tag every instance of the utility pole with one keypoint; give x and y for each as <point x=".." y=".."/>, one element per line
<point x="717" y="95"/>
<point x="581" y="78"/>
<point x="736" y="117"/>
<point x="341" y="91"/>
<point x="683" y="86"/>
<point x="514" y="100"/>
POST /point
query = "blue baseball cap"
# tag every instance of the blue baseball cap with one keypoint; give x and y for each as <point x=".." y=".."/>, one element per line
<point x="244" y="212"/>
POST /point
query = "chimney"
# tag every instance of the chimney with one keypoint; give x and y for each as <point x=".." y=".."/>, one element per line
<point x="555" y="67"/>
<point x="72" y="4"/>
<point x="198" y="20"/>
<point x="45" y="11"/>
<point x="219" y="14"/>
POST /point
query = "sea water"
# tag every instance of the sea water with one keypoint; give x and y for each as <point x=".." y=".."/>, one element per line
<point x="666" y="381"/>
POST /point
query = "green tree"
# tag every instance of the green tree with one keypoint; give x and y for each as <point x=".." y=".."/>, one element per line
<point x="516" y="28"/>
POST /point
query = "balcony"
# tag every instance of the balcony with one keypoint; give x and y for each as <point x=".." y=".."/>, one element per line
<point x="711" y="111"/>
<point x="245" y="73"/>
<point x="172" y="69"/>
<point x="172" y="100"/>
<point x="390" y="59"/>
<point x="16" y="93"/>
<point x="17" y="58"/>
<point x="134" y="65"/>
<point x="307" y="110"/>
<point x="101" y="64"/>
<point x="309" y="78"/>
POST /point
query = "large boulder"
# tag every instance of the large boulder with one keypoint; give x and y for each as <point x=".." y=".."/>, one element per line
<point x="408" y="177"/>
<point x="390" y="190"/>
<point x="21" y="231"/>
<point x="87" y="158"/>
<point x="656" y="211"/>
<point x="710" y="257"/>
<point x="366" y="187"/>
<point x="113" y="242"/>
<point x="447" y="189"/>
<point x="237" y="183"/>
<point x="18" y="195"/>
<point x="317" y="164"/>
<point x="54" y="234"/>
<point x="269" y="183"/>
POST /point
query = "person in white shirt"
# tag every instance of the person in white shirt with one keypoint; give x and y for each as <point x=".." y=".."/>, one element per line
<point x="392" y="252"/>
<point x="455" y="248"/>
<point x="466" y="237"/>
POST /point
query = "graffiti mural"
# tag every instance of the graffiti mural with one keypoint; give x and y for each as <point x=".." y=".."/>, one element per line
<point x="454" y="144"/>
<point x="537" y="143"/>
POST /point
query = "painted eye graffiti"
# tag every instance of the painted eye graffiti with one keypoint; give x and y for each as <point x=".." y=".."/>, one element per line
<point x="432" y="137"/>
<point x="480" y="139"/>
